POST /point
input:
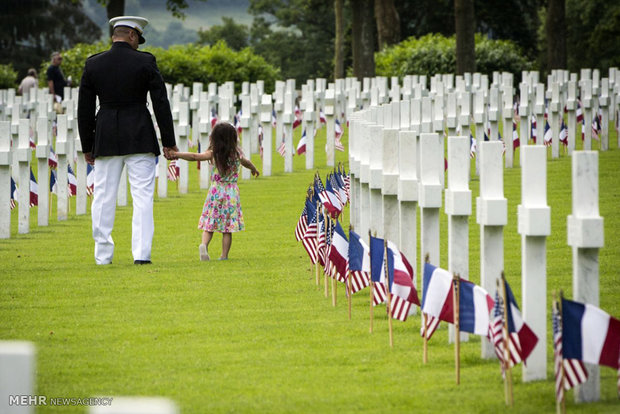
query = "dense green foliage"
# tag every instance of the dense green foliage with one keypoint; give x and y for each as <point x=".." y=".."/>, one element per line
<point x="185" y="64"/>
<point x="254" y="333"/>
<point x="235" y="35"/>
<point x="8" y="77"/>
<point x="434" y="53"/>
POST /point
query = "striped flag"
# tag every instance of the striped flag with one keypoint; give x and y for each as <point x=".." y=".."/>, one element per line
<point x="309" y="240"/>
<point x="377" y="273"/>
<point x="322" y="118"/>
<point x="548" y="136"/>
<point x="339" y="252"/>
<point x="568" y="372"/>
<point x="472" y="146"/>
<point x="53" y="186"/>
<point x="173" y="171"/>
<point x="282" y="147"/>
<point x="34" y="190"/>
<point x="213" y="117"/>
<point x="302" y="224"/>
<point x="359" y="262"/>
<point x="596" y="125"/>
<point x="298" y="116"/>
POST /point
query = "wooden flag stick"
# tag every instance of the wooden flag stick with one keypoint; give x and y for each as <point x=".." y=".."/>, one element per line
<point x="372" y="285"/>
<point x="316" y="264"/>
<point x="507" y="369"/>
<point x="457" y="328"/>
<point x="387" y="289"/>
<point x="349" y="280"/>
<point x="325" y="218"/>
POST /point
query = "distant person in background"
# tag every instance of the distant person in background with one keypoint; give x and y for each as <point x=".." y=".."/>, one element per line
<point x="30" y="81"/>
<point x="56" y="79"/>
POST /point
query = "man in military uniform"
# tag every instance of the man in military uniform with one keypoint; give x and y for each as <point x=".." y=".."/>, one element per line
<point x="122" y="133"/>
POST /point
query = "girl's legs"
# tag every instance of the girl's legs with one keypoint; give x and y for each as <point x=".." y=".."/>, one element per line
<point x="206" y="239"/>
<point x="226" y="242"/>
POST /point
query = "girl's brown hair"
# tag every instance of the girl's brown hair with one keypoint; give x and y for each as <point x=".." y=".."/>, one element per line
<point x="224" y="146"/>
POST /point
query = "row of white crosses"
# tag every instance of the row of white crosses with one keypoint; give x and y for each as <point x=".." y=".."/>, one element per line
<point x="395" y="169"/>
<point x="18" y="394"/>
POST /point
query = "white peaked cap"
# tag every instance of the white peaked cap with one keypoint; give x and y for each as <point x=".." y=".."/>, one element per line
<point x="135" y="22"/>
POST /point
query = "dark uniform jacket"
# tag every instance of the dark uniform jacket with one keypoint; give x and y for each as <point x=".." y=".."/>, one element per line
<point x="121" y="77"/>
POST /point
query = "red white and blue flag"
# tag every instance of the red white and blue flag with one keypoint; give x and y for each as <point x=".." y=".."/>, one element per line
<point x="52" y="159"/>
<point x="282" y="147"/>
<point x="548" y="137"/>
<point x="34" y="190"/>
<point x="90" y="179"/>
<point x="563" y="134"/>
<point x="516" y="142"/>
<point x="522" y="338"/>
<point x="322" y="118"/>
<point x="13" y="199"/>
<point x="568" y="372"/>
<point x="338" y="135"/>
<point x="472" y="146"/>
<point x="359" y="262"/>
<point x="301" y="146"/>
<point x="53" y="186"/>
<point x="590" y="334"/>
<point x="71" y="181"/>
<point x="339" y="252"/>
<point x="173" y="171"/>
<point x="298" y="116"/>
<point x="534" y="128"/>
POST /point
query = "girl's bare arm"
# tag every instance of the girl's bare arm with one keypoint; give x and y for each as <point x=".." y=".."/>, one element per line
<point x="250" y="166"/>
<point x="193" y="156"/>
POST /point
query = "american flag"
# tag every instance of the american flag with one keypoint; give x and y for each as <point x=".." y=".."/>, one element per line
<point x="568" y="372"/>
<point x="322" y="118"/>
<point x="472" y="146"/>
<point x="237" y="124"/>
<point x="533" y="131"/>
<point x="432" y="323"/>
<point x="13" y="194"/>
<point x="34" y="190"/>
<point x="596" y="125"/>
<point x="173" y="171"/>
<point x="33" y="145"/>
<point x="496" y="329"/>
<point x="90" y="179"/>
<point x="53" y="186"/>
<point x="309" y="239"/>
<point x="72" y="181"/>
<point x="302" y="224"/>
<point x="338" y="135"/>
<point x="282" y="147"/>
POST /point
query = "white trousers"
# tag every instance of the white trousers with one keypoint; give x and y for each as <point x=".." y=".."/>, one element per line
<point x="141" y="173"/>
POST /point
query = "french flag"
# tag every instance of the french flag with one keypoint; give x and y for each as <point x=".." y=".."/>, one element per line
<point x="339" y="251"/>
<point x="72" y="181"/>
<point x="564" y="134"/>
<point x="548" y="134"/>
<point x="34" y="190"/>
<point x="332" y="204"/>
<point x="301" y="146"/>
<point x="377" y="272"/>
<point x="475" y="304"/>
<point x="590" y="334"/>
<point x="527" y="339"/>
<point x="516" y="142"/>
<point x="359" y="262"/>
<point x="322" y="118"/>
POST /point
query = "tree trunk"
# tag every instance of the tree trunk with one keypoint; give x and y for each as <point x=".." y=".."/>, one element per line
<point x="339" y="41"/>
<point x="465" y="22"/>
<point x="556" y="34"/>
<point x="115" y="8"/>
<point x="388" y="23"/>
<point x="363" y="42"/>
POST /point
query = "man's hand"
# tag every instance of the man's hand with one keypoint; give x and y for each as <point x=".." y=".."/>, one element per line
<point x="168" y="152"/>
<point x="88" y="156"/>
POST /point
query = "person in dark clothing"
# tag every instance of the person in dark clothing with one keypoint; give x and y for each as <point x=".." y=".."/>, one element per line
<point x="56" y="79"/>
<point x="122" y="133"/>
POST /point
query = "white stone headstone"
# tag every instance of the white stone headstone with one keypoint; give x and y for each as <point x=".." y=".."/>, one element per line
<point x="267" y="144"/>
<point x="5" y="179"/>
<point x="17" y="378"/>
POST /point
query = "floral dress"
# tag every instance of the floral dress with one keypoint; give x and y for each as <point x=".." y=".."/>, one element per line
<point x="222" y="208"/>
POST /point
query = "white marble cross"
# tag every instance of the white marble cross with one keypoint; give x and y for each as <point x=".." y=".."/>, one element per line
<point x="42" y="153"/>
<point x="389" y="186"/>
<point x="182" y="133"/>
<point x="491" y="215"/>
<point x="5" y="179"/>
<point x="408" y="194"/>
<point x="458" y="209"/>
<point x="534" y="225"/>
<point x="62" y="179"/>
<point x="245" y="131"/>
<point x="376" y="178"/>
<point x="22" y="153"/>
<point x="330" y="133"/>
<point x="603" y="101"/>
<point x="586" y="107"/>
<point x="267" y="145"/>
<point x="586" y="235"/>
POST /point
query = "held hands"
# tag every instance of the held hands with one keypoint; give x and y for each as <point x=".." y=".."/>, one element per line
<point x="88" y="156"/>
<point x="170" y="153"/>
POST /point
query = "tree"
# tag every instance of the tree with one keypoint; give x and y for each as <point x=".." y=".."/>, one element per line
<point x="296" y="36"/>
<point x="556" y="34"/>
<point x="388" y="23"/>
<point x="31" y="30"/>
<point x="363" y="39"/>
<point x="235" y="35"/>
<point x="116" y="8"/>
<point x="465" y="23"/>
<point x="339" y="40"/>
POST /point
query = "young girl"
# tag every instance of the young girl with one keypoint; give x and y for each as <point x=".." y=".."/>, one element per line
<point x="222" y="208"/>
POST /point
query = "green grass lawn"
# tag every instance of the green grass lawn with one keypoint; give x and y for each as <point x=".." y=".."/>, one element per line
<point x="254" y="333"/>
